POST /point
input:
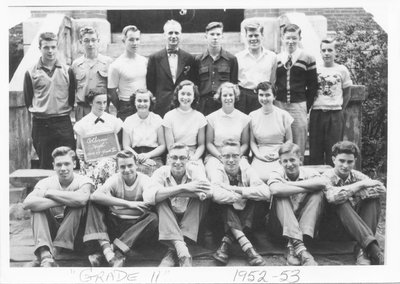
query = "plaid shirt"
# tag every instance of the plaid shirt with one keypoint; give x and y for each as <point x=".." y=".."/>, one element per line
<point x="337" y="185"/>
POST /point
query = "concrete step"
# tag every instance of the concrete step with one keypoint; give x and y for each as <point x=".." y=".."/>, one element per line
<point x="116" y="49"/>
<point x="17" y="194"/>
<point x="185" y="38"/>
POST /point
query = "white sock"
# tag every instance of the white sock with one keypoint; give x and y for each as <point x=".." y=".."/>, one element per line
<point x="181" y="248"/>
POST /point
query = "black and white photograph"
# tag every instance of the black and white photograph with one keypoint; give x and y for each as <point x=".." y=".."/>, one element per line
<point x="201" y="143"/>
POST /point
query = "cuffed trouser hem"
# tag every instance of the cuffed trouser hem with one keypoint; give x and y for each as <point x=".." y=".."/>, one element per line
<point x="309" y="231"/>
<point x="96" y="236"/>
<point x="290" y="233"/>
<point x="368" y="241"/>
<point x="123" y="247"/>
<point x="66" y="245"/>
<point x="170" y="238"/>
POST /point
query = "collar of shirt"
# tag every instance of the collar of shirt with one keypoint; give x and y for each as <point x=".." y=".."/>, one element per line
<point x="283" y="56"/>
<point x="302" y="175"/>
<point x="232" y="114"/>
<point x="100" y="58"/>
<point x="171" y="180"/>
<point x="177" y="50"/>
<point x="337" y="181"/>
<point x="222" y="53"/>
<point x="263" y="53"/>
<point x="93" y="117"/>
<point x="41" y="66"/>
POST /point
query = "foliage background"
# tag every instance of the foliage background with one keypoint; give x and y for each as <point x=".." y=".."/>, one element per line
<point x="363" y="50"/>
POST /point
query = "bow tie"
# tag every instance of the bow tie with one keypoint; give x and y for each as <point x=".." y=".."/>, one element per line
<point x="98" y="119"/>
<point x="172" y="51"/>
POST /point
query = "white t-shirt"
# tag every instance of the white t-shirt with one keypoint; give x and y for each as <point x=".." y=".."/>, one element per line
<point x="185" y="126"/>
<point x="128" y="75"/>
<point x="331" y="82"/>
<point x="227" y="126"/>
<point x="87" y="126"/>
<point x="142" y="132"/>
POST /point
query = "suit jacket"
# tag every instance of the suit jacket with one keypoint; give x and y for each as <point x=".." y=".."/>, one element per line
<point x="159" y="79"/>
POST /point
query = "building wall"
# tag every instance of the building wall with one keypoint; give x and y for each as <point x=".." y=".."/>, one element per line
<point x="333" y="15"/>
<point x="76" y="14"/>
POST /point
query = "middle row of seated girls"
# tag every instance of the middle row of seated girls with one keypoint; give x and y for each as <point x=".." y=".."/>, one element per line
<point x="149" y="136"/>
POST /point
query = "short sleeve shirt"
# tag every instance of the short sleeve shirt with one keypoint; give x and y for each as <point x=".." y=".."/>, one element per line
<point x="185" y="126"/>
<point x="254" y="70"/>
<point x="128" y="75"/>
<point x="87" y="126"/>
<point x="90" y="74"/>
<point x="116" y="186"/>
<point x="53" y="183"/>
<point x="142" y="132"/>
<point x="331" y="82"/>
<point x="227" y="126"/>
<point x="270" y="129"/>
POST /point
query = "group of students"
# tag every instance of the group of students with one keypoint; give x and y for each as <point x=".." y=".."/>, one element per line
<point x="187" y="125"/>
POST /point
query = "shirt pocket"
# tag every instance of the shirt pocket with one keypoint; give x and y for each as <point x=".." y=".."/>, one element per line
<point x="204" y="73"/>
<point x="224" y="72"/>
<point x="102" y="78"/>
<point x="80" y="80"/>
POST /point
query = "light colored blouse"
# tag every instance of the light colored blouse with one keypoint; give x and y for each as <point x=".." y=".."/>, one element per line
<point x="185" y="125"/>
<point x="227" y="126"/>
<point x="87" y="126"/>
<point x="142" y="132"/>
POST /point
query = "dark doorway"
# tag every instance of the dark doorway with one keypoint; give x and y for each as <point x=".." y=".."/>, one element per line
<point x="192" y="21"/>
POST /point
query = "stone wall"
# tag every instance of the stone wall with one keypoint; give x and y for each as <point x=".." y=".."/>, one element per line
<point x="333" y="15"/>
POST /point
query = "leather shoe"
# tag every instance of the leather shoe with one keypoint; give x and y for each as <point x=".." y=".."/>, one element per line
<point x="254" y="258"/>
<point x="96" y="259"/>
<point x="48" y="262"/>
<point x="185" y="261"/>
<point x="362" y="258"/>
<point x="378" y="259"/>
<point x="307" y="259"/>
<point x="170" y="259"/>
<point x="222" y="253"/>
<point x="291" y="258"/>
<point x="118" y="260"/>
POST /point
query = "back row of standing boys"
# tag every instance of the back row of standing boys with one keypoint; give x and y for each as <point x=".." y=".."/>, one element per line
<point x="180" y="190"/>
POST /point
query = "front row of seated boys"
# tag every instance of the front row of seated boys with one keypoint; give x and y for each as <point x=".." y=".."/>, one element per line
<point x="131" y="208"/>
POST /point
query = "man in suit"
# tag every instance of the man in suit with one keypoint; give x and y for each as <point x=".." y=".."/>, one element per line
<point x="168" y="67"/>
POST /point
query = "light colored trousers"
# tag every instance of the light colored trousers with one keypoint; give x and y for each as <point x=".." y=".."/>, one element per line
<point x="299" y="126"/>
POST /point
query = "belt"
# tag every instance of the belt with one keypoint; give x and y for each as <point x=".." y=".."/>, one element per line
<point x="53" y="118"/>
<point x="326" y="110"/>
<point x="143" y="149"/>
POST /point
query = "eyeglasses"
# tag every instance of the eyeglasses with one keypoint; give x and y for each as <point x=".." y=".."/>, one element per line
<point x="176" y="158"/>
<point x="92" y="40"/>
<point x="233" y="156"/>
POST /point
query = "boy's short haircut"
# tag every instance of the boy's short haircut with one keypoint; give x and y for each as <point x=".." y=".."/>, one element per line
<point x="143" y="91"/>
<point x="126" y="29"/>
<point x="63" y="151"/>
<point x="345" y="147"/>
<point x="172" y="23"/>
<point x="227" y="85"/>
<point x="125" y="154"/>
<point x="179" y="146"/>
<point x="292" y="28"/>
<point x="254" y="26"/>
<point x="230" y="143"/>
<point x="289" y="148"/>
<point x="95" y="92"/>
<point x="47" y="36"/>
<point x="214" y="25"/>
<point x="329" y="41"/>
<point x="265" y="86"/>
<point x="87" y="30"/>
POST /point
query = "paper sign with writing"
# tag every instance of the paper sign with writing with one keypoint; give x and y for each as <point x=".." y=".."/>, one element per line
<point x="100" y="145"/>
